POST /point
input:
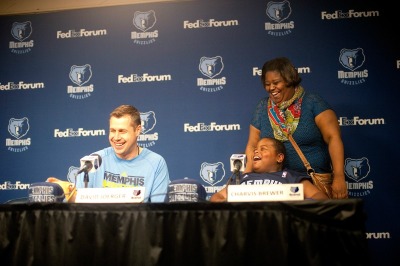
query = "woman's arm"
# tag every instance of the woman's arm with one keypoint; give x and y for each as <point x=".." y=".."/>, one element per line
<point x="328" y="124"/>
<point x="254" y="137"/>
<point x="312" y="192"/>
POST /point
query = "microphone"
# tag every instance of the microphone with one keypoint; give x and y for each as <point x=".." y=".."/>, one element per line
<point x="238" y="162"/>
<point x="86" y="166"/>
<point x="89" y="163"/>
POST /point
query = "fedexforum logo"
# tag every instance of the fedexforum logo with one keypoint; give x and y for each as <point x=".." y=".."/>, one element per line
<point x="377" y="235"/>
<point x="339" y="14"/>
<point x="80" y="33"/>
<point x="21" y="86"/>
<point x="7" y="185"/>
<point x="201" y="127"/>
<point x="211" y="67"/>
<point x="146" y="138"/>
<point x="357" y="121"/>
<point x="144" y="21"/>
<point x="80" y="75"/>
<point x="18" y="128"/>
<point x="21" y="31"/>
<point x="279" y="12"/>
<point x="211" y="23"/>
<point x="352" y="59"/>
<point x="80" y="132"/>
<point x="357" y="170"/>
<point x="300" y="70"/>
<point x="134" y="78"/>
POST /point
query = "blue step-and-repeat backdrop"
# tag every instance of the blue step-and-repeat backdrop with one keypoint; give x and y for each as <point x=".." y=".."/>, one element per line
<point x="62" y="73"/>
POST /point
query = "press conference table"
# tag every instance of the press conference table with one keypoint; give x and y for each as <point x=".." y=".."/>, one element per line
<point x="330" y="232"/>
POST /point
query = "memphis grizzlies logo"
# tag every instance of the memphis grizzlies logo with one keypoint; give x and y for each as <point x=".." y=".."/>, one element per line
<point x="278" y="11"/>
<point x="357" y="169"/>
<point x="80" y="74"/>
<point x="18" y="127"/>
<point x="144" y="20"/>
<point x="352" y="58"/>
<point x="211" y="66"/>
<point x="294" y="189"/>
<point x="72" y="171"/>
<point x="148" y="121"/>
<point x="21" y="31"/>
<point x="212" y="173"/>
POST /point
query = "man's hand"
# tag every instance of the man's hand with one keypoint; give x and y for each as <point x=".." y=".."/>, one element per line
<point x="68" y="188"/>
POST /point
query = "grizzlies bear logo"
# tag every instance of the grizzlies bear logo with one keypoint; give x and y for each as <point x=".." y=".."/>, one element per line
<point x="144" y="20"/>
<point x="211" y="66"/>
<point x="72" y="171"/>
<point x="148" y="121"/>
<point x="279" y="11"/>
<point x="352" y="58"/>
<point x="18" y="127"/>
<point x="80" y="74"/>
<point x="21" y="31"/>
<point x="212" y="173"/>
<point x="294" y="189"/>
<point x="357" y="169"/>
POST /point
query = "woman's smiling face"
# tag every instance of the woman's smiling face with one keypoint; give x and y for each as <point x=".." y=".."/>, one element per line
<point x="277" y="87"/>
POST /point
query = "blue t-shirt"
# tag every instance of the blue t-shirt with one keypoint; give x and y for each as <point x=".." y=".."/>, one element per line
<point x="148" y="170"/>
<point x="306" y="135"/>
<point x="282" y="177"/>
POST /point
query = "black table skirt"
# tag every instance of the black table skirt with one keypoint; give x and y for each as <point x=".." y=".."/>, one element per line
<point x="330" y="232"/>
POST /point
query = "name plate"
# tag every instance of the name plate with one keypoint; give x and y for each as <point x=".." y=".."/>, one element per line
<point x="276" y="192"/>
<point x="110" y="195"/>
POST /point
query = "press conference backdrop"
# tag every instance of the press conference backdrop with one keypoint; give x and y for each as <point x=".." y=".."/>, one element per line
<point x="193" y="70"/>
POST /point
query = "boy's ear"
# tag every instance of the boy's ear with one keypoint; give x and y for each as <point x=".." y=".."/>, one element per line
<point x="281" y="157"/>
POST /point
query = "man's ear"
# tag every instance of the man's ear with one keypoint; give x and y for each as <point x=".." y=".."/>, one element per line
<point x="138" y="129"/>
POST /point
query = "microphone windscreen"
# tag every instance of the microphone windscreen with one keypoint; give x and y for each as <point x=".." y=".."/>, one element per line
<point x="186" y="190"/>
<point x="238" y="161"/>
<point x="99" y="161"/>
<point x="90" y="163"/>
<point x="45" y="192"/>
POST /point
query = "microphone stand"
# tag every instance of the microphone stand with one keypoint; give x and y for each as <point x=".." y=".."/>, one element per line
<point x="237" y="180"/>
<point x="230" y="180"/>
<point x="86" y="178"/>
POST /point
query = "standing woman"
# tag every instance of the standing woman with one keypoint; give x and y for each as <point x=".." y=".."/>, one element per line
<point x="310" y="120"/>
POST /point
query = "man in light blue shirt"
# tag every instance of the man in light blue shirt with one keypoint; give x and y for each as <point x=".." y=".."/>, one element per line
<point x="125" y="164"/>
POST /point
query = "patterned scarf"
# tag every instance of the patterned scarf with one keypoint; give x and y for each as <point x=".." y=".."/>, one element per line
<point x="286" y="115"/>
